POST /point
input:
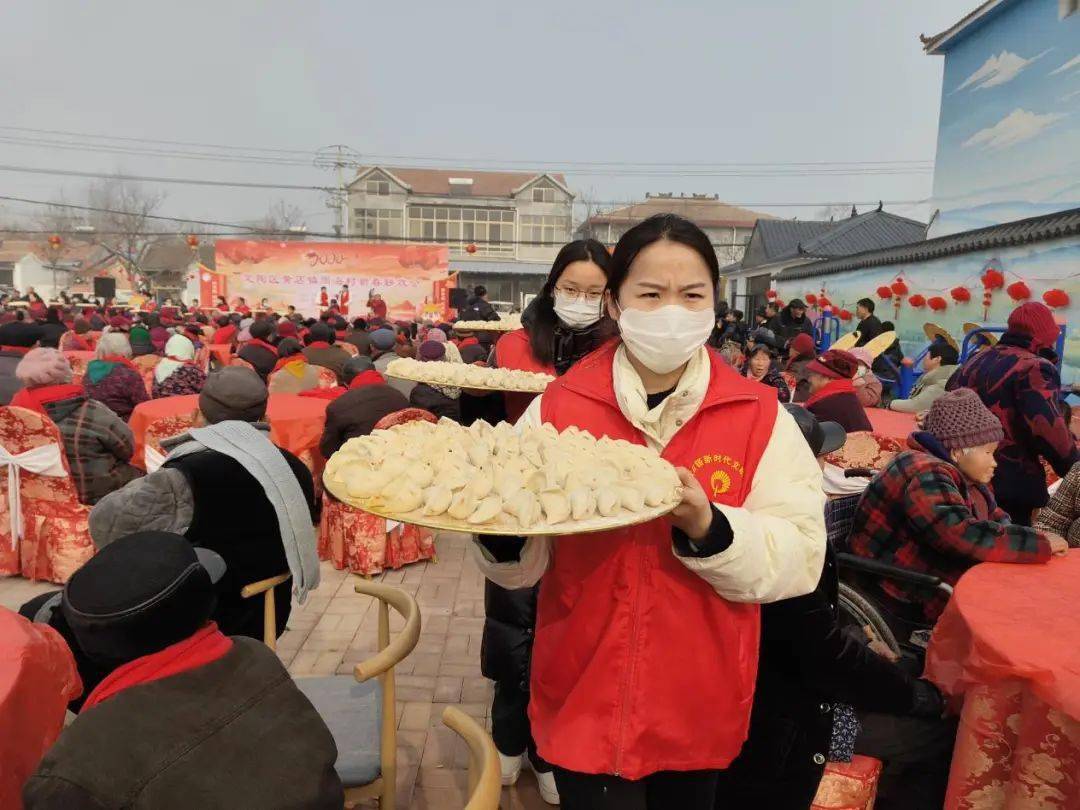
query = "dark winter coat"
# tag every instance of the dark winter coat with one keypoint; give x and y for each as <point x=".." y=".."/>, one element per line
<point x="361" y="340"/>
<point x="331" y="357"/>
<point x="807" y="664"/>
<point x="432" y="399"/>
<point x="773" y="379"/>
<point x="1022" y="389"/>
<point x="356" y="412"/>
<point x="510" y="616"/>
<point x="9" y="383"/>
<point x="51" y="333"/>
<point x="20" y="333"/>
<point x="802" y="381"/>
<point x="196" y="739"/>
<point x="786" y="326"/>
<point x="843" y="408"/>
<point x="121" y="389"/>
<point x="260" y="357"/>
<point x="869" y="328"/>
<point x="478" y="309"/>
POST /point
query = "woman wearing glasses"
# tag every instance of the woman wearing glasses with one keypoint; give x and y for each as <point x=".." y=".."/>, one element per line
<point x="561" y="325"/>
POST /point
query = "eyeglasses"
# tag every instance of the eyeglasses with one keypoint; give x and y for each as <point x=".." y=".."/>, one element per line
<point x="573" y="294"/>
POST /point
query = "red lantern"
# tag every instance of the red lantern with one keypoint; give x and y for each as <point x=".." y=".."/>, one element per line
<point x="960" y="295"/>
<point x="824" y="302"/>
<point x="937" y="303"/>
<point x="771" y="295"/>
<point x="810" y="299"/>
<point x="898" y="287"/>
<point x="470" y="248"/>
<point x="884" y="293"/>
<point x="993" y="279"/>
<point x="192" y="240"/>
<point x="844" y="315"/>
<point x="1056" y="299"/>
<point x="55" y="240"/>
<point x="1018" y="291"/>
<point x="917" y="301"/>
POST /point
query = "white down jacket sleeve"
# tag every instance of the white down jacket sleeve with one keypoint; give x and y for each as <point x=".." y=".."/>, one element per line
<point x="779" y="532"/>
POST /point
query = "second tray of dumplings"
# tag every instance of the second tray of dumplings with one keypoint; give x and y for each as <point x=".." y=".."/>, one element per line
<point x="498" y="480"/>
<point x="462" y="375"/>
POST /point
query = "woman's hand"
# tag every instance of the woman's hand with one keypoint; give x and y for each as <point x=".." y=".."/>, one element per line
<point x="1058" y="545"/>
<point x="693" y="515"/>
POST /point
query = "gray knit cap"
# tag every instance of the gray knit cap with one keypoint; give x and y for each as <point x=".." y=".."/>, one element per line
<point x="959" y="420"/>
<point x="233" y="392"/>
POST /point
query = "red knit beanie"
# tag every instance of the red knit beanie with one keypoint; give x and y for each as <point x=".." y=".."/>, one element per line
<point x="959" y="419"/>
<point x="1036" y="320"/>
<point x="802" y="345"/>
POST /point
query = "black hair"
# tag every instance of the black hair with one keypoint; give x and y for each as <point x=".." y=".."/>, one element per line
<point x="200" y="317"/>
<point x="291" y="307"/>
<point x="757" y="348"/>
<point x="944" y="352"/>
<point x="222" y="299"/>
<point x="737" y="314"/>
<point x="866" y="302"/>
<point x="888" y="326"/>
<point x="660" y="226"/>
<point x="289" y="346"/>
<point x="20" y="315"/>
<point x="479" y="290"/>
<point x="542" y="311"/>
<point x="722" y="309"/>
<point x="359" y="324"/>
<point x="52" y="315"/>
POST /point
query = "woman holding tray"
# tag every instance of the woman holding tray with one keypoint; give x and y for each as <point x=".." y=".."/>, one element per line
<point x="563" y="323"/>
<point x="646" y="640"/>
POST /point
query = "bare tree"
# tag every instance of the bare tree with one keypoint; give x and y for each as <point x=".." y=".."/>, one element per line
<point x="586" y="206"/>
<point x="122" y="216"/>
<point x="280" y="218"/>
<point x="58" y="218"/>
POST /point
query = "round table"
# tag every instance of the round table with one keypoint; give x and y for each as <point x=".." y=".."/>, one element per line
<point x="895" y="424"/>
<point x="1009" y="644"/>
<point x="296" y="422"/>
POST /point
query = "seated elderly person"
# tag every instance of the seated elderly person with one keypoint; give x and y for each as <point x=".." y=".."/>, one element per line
<point x="832" y="391"/>
<point x="184" y="713"/>
<point x="1062" y="514"/>
<point x="226" y="487"/>
<point x="940" y="363"/>
<point x="932" y="510"/>
<point x="356" y="413"/>
<point x="441" y="400"/>
<point x="98" y="444"/>
<point x="868" y="387"/>
<point x="177" y="374"/>
<point x="292" y="373"/>
<point x="112" y="378"/>
<point x="262" y="355"/>
<point x="321" y="351"/>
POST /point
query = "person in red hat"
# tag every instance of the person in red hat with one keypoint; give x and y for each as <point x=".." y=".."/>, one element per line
<point x="832" y="390"/>
<point x="801" y="351"/>
<point x="1019" y="381"/>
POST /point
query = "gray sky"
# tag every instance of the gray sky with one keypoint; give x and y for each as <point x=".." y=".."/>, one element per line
<point x="556" y="83"/>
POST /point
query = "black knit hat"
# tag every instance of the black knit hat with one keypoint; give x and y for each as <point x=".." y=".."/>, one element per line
<point x="140" y="594"/>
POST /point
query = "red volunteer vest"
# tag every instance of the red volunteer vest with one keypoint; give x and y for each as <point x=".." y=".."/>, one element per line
<point x="638" y="665"/>
<point x="513" y="351"/>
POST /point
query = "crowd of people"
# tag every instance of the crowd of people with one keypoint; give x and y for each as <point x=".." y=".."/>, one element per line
<point x="694" y="661"/>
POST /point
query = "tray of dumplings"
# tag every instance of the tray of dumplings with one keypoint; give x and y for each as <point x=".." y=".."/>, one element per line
<point x="507" y="323"/>
<point x="501" y="479"/>
<point x="461" y="375"/>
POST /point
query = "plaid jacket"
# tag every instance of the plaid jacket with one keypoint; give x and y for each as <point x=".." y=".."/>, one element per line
<point x="921" y="513"/>
<point x="98" y="445"/>
<point x="1022" y="389"/>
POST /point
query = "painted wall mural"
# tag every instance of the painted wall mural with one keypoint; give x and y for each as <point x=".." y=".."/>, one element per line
<point x="1040" y="268"/>
<point x="1009" y="134"/>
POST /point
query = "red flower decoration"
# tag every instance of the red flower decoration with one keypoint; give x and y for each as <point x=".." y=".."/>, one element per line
<point x="960" y="295"/>
<point x="1018" y="291"/>
<point x="937" y="303"/>
<point x="771" y="295"/>
<point x="824" y="302"/>
<point x="810" y="299"/>
<point x="898" y="287"/>
<point x="844" y="315"/>
<point x="993" y="279"/>
<point x="917" y="301"/>
<point x="884" y="292"/>
<point x="1056" y="299"/>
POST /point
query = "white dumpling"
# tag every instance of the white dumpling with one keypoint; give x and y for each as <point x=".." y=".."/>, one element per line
<point x="608" y="502"/>
<point x="361" y="483"/>
<point x="582" y="503"/>
<point x="437" y="499"/>
<point x="656" y="492"/>
<point x="487" y="510"/>
<point x="631" y="498"/>
<point x="478" y="454"/>
<point x="556" y="506"/>
<point x="421" y="474"/>
<point x="462" y="505"/>
<point x="508" y="484"/>
<point x="407" y="498"/>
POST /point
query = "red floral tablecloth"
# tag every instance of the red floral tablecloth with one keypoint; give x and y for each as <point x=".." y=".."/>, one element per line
<point x="891" y="423"/>
<point x="1008" y="644"/>
<point x="296" y="423"/>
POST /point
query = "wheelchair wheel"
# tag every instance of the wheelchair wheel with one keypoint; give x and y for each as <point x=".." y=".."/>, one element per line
<point x="857" y="611"/>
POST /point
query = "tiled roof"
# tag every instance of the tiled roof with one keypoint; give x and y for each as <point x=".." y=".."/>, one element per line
<point x="705" y="212"/>
<point x="174" y="253"/>
<point x="485" y="184"/>
<point x="869" y="231"/>
<point x="1020" y="232"/>
<point x="477" y="267"/>
<point x="781" y="238"/>
<point x="968" y="23"/>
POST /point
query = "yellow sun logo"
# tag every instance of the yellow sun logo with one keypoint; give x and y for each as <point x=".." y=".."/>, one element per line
<point x="720" y="482"/>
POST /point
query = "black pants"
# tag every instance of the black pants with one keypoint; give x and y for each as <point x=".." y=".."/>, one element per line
<point x="510" y="726"/>
<point x="666" y="790"/>
<point x="916" y="754"/>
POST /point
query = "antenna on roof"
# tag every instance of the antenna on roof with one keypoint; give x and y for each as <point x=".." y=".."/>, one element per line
<point x="854" y="211"/>
<point x="880" y="204"/>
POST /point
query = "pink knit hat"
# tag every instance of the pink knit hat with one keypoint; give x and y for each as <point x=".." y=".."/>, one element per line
<point x="863" y="356"/>
<point x="959" y="419"/>
<point x="43" y="367"/>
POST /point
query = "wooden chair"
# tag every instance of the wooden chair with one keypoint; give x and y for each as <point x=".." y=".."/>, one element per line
<point x="266" y="588"/>
<point x="485" y="787"/>
<point x="360" y="711"/>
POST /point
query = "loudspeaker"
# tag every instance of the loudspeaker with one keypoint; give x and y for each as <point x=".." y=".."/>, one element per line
<point x="105" y="287"/>
<point x="459" y="299"/>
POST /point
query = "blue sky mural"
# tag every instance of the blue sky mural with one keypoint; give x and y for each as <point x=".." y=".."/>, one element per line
<point x="1009" y="133"/>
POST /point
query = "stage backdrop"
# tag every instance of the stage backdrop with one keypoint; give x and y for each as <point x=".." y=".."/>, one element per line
<point x="414" y="280"/>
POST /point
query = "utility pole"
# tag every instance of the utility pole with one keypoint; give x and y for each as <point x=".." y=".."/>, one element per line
<point x="338" y="158"/>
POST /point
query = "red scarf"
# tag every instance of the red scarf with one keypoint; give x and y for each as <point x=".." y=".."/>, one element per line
<point x="34" y="399"/>
<point x="15" y="349"/>
<point x="204" y="647"/>
<point x="324" y="393"/>
<point x="841" y="386"/>
<point x="117" y="358"/>
<point x="318" y="344"/>
<point x="369" y="377"/>
<point x="263" y="343"/>
<point x="469" y="341"/>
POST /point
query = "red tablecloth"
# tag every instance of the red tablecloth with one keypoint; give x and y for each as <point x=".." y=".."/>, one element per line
<point x="1009" y="644"/>
<point x="296" y="423"/>
<point x="221" y="352"/>
<point x="891" y="423"/>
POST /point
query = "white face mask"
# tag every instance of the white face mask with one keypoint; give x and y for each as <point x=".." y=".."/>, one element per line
<point x="664" y="339"/>
<point x="577" y="314"/>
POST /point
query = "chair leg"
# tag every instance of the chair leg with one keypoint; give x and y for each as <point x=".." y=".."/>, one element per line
<point x="270" y="620"/>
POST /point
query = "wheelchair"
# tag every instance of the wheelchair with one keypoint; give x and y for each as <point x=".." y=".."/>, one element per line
<point x="862" y="613"/>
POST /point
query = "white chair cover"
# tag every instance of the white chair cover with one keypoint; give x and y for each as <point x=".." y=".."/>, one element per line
<point x="45" y="460"/>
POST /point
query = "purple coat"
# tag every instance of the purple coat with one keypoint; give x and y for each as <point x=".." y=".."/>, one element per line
<point x="122" y="388"/>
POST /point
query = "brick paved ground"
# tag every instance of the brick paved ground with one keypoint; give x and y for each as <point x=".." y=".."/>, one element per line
<point x="336" y="627"/>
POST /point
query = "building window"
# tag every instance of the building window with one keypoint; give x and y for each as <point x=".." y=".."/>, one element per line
<point x="376" y="222"/>
<point x="490" y="229"/>
<point x="7" y="274"/>
<point x="380" y="188"/>
<point x="544" y="230"/>
<point x="543" y="194"/>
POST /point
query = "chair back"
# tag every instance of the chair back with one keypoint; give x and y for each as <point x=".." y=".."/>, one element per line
<point x="266" y="588"/>
<point x="146" y="363"/>
<point x="327" y="378"/>
<point x="164" y="427"/>
<point x="485" y="787"/>
<point x="78" y="361"/>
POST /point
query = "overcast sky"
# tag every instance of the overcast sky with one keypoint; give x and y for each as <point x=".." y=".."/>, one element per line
<point x="538" y="85"/>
